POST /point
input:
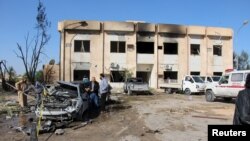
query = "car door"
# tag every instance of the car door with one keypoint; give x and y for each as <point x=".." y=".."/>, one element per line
<point x="189" y="83"/>
<point x="222" y="87"/>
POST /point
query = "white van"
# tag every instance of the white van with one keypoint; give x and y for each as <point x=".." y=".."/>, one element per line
<point x="190" y="84"/>
<point x="228" y="86"/>
<point x="211" y="79"/>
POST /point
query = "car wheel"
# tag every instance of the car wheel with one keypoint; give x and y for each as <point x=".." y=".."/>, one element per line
<point x="227" y="99"/>
<point x="187" y="91"/>
<point x="210" y="96"/>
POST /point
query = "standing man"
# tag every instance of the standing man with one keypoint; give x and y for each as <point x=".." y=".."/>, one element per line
<point x="104" y="88"/>
<point x="21" y="86"/>
<point x="94" y="90"/>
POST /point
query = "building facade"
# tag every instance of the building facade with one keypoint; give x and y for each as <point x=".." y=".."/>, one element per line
<point x="154" y="52"/>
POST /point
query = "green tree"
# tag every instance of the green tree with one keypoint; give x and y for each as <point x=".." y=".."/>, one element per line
<point x="12" y="74"/>
<point x="243" y="61"/>
<point x="39" y="76"/>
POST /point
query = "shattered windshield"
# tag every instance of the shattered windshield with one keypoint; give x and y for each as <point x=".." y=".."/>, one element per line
<point x="67" y="90"/>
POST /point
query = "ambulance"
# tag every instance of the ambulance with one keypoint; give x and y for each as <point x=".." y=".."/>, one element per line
<point x="228" y="86"/>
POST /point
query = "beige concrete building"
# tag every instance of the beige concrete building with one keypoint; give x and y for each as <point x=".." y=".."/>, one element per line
<point x="154" y="52"/>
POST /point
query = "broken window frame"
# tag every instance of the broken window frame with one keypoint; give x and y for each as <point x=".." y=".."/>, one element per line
<point x="170" y="79"/>
<point x="85" y="73"/>
<point x="195" y="73"/>
<point x="195" y="49"/>
<point x="140" y="49"/>
<point x="117" y="47"/>
<point x="84" y="47"/>
<point x="117" y="76"/>
<point x="217" y="73"/>
<point x="168" y="50"/>
<point x="217" y="50"/>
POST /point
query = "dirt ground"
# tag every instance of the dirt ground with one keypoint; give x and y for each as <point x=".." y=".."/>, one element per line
<point x="162" y="117"/>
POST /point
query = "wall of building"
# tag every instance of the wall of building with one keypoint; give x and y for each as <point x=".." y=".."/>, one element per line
<point x="99" y="59"/>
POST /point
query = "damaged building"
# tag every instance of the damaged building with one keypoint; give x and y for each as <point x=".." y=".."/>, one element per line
<point x="154" y="52"/>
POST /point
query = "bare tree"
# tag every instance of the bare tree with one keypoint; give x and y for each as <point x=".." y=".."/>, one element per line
<point x="31" y="52"/>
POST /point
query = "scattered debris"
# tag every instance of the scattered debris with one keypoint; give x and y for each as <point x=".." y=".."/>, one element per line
<point x="154" y="131"/>
<point x="59" y="131"/>
<point x="210" y="117"/>
<point x="11" y="103"/>
<point x="22" y="129"/>
<point x="80" y="126"/>
<point x="121" y="131"/>
<point x="8" y="117"/>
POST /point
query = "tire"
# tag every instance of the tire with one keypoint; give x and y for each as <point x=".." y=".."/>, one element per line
<point x="227" y="99"/>
<point x="168" y="91"/>
<point x="187" y="91"/>
<point x="209" y="96"/>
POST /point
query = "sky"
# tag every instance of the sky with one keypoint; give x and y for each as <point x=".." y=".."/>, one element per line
<point x="17" y="19"/>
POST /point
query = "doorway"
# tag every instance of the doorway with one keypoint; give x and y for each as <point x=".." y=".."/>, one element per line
<point x="144" y="75"/>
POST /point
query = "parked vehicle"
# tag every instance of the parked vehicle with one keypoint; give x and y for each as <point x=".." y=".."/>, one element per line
<point x="190" y="84"/>
<point x="135" y="85"/>
<point x="228" y="86"/>
<point x="211" y="79"/>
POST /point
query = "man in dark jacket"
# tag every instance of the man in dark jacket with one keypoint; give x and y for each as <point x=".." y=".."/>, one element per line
<point x="242" y="105"/>
<point x="94" y="90"/>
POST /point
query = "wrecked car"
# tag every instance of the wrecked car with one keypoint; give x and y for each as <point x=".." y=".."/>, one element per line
<point x="65" y="101"/>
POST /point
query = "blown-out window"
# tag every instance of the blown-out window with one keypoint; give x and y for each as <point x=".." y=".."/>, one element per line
<point x="217" y="49"/>
<point x="79" y="74"/>
<point x="195" y="49"/>
<point x="117" y="76"/>
<point x="170" y="76"/>
<point x="145" y="47"/>
<point x="82" y="46"/>
<point x="171" y="48"/>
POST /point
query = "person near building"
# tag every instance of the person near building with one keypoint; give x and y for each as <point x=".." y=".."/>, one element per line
<point x="94" y="90"/>
<point x="242" y="105"/>
<point x="21" y="86"/>
<point x="104" y="88"/>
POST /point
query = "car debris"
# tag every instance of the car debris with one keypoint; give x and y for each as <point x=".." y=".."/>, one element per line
<point x="82" y="125"/>
<point x="65" y="102"/>
<point x="59" y="105"/>
<point x="59" y="131"/>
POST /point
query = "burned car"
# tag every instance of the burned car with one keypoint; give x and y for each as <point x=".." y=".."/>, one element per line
<point x="65" y="101"/>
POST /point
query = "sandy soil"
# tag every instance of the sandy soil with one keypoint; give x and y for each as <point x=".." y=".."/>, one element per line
<point x="155" y="117"/>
